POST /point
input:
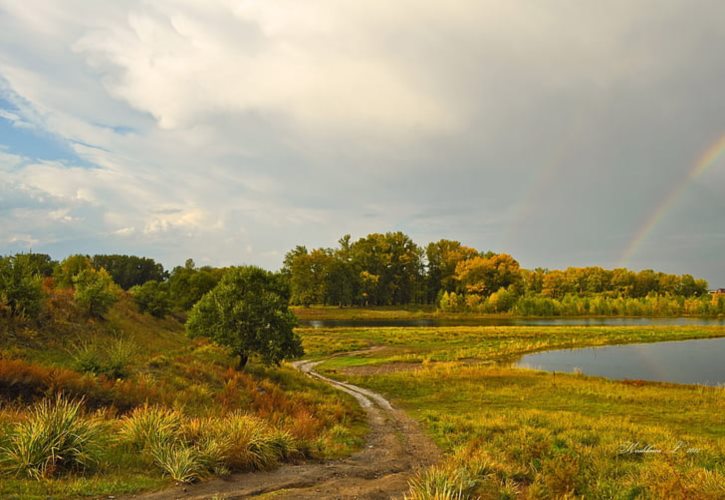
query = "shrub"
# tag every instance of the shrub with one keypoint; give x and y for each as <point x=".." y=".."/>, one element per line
<point x="70" y="268"/>
<point x="87" y="359"/>
<point x="118" y="356"/>
<point x="95" y="291"/>
<point x="20" y="286"/>
<point x="152" y="297"/>
<point x="56" y="437"/>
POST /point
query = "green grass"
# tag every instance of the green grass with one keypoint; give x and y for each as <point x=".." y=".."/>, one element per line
<point x="532" y="434"/>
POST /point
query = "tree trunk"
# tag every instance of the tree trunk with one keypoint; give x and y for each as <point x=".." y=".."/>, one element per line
<point x="243" y="358"/>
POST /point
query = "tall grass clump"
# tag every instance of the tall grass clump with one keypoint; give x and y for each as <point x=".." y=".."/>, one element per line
<point x="113" y="361"/>
<point x="440" y="483"/>
<point x="149" y="426"/>
<point x="188" y="449"/>
<point x="462" y="476"/>
<point x="56" y="437"/>
<point x="244" y="442"/>
<point x="182" y="463"/>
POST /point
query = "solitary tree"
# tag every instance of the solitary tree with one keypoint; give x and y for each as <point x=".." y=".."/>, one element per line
<point x="248" y="312"/>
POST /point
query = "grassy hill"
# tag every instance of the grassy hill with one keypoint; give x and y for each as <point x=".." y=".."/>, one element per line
<point x="154" y="405"/>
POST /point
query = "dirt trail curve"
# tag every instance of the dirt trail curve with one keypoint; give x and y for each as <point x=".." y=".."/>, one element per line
<point x="395" y="447"/>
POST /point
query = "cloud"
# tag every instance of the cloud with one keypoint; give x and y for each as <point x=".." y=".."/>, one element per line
<point x="230" y="131"/>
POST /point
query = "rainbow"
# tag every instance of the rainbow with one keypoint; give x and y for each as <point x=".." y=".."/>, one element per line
<point x="704" y="162"/>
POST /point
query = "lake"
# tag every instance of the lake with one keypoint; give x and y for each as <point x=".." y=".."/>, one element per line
<point x="513" y="322"/>
<point x="700" y="361"/>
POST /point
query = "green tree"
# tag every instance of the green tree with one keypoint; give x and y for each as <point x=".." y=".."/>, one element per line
<point x="95" y="291"/>
<point x="443" y="256"/>
<point x="41" y="263"/>
<point x="486" y="275"/>
<point x="389" y="267"/>
<point x="129" y="270"/>
<point x="20" y="286"/>
<point x="248" y="312"/>
<point x="152" y="297"/>
<point x="188" y="284"/>
<point x="69" y="268"/>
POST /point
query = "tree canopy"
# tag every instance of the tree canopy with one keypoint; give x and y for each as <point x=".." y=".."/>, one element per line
<point x="95" y="291"/>
<point x="129" y="270"/>
<point x="20" y="286"/>
<point x="247" y="311"/>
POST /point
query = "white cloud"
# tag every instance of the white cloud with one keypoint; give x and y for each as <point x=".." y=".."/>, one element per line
<point x="218" y="127"/>
<point x="182" y="62"/>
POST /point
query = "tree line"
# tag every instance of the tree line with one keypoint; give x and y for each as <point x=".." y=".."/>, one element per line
<point x="391" y="269"/>
<point x="380" y="269"/>
<point x="97" y="281"/>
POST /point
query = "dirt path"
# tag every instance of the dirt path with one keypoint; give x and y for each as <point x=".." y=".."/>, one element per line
<point x="394" y="449"/>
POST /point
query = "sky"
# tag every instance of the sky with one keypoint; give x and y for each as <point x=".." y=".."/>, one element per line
<point x="566" y="133"/>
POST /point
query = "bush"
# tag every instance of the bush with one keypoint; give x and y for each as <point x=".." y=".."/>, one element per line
<point x="20" y="286"/>
<point x="56" y="437"/>
<point x="118" y="356"/>
<point x="95" y="291"/>
<point x="88" y="359"/>
<point x="152" y="297"/>
<point x="70" y="268"/>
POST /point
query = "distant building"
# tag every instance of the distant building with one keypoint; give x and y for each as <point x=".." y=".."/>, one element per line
<point x="718" y="291"/>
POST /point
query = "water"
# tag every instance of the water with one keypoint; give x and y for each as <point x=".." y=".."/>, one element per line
<point x="515" y="322"/>
<point x="700" y="361"/>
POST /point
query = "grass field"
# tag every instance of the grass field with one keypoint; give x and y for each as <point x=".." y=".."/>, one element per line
<point x="507" y="432"/>
<point x="515" y="433"/>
